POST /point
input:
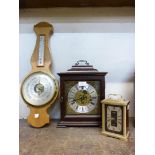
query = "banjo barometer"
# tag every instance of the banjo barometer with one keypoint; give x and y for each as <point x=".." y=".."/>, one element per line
<point x="40" y="88"/>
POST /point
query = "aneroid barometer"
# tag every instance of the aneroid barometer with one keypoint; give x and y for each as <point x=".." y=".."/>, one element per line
<point x="40" y="88"/>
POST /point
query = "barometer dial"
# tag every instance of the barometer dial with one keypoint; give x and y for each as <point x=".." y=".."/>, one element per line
<point x="39" y="88"/>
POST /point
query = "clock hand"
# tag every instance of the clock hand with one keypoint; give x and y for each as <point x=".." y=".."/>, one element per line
<point x="76" y="99"/>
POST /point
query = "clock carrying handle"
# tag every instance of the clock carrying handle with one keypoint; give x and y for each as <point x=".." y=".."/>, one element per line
<point x="81" y="61"/>
<point x="115" y="95"/>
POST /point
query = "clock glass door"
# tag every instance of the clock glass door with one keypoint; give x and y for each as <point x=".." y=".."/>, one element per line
<point x="82" y="97"/>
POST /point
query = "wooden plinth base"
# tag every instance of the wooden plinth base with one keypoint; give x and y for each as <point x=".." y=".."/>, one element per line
<point x="63" y="124"/>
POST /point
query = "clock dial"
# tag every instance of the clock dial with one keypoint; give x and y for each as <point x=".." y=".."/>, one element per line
<point x="82" y="97"/>
<point x="114" y="119"/>
<point x="39" y="88"/>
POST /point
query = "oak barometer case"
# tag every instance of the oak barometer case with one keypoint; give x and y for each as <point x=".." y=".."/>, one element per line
<point x="39" y="89"/>
<point x="81" y="89"/>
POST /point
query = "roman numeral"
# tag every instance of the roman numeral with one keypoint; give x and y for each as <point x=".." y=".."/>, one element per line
<point x="92" y="103"/>
<point x="71" y="95"/>
<point x="108" y="119"/>
<point x="72" y="102"/>
<point x="82" y="108"/>
<point x="119" y="122"/>
<point x="108" y="108"/>
<point x="77" y="107"/>
<point x="108" y="124"/>
<point x="91" y="92"/>
<point x="94" y="97"/>
<point x="72" y="92"/>
<point x="88" y="88"/>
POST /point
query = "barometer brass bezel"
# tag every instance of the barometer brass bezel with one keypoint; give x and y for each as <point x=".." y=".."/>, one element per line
<point x="55" y="93"/>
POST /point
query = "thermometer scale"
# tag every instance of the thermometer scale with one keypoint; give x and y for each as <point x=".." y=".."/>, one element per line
<point x="41" y="51"/>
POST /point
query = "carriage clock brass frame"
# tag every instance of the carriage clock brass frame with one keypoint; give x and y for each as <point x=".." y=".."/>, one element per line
<point x="124" y="104"/>
<point x="41" y="111"/>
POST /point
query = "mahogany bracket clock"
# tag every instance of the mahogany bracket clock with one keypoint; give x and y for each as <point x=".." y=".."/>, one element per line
<point x="115" y="117"/>
<point x="40" y="88"/>
<point x="81" y="89"/>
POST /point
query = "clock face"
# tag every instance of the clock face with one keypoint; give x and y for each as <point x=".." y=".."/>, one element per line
<point x="114" y="118"/>
<point x="82" y="97"/>
<point x="39" y="88"/>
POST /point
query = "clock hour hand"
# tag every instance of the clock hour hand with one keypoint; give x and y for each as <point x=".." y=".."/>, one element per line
<point x="76" y="99"/>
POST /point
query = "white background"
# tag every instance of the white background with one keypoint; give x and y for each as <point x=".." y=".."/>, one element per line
<point x="145" y="75"/>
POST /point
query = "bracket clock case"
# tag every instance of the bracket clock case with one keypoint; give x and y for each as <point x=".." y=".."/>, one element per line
<point x="81" y="89"/>
<point x="39" y="89"/>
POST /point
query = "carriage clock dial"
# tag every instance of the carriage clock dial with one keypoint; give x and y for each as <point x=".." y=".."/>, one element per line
<point x="40" y="88"/>
<point x="114" y="118"/>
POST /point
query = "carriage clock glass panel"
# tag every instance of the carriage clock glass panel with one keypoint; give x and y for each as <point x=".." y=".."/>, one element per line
<point x="114" y="119"/>
<point x="38" y="88"/>
<point x="82" y="97"/>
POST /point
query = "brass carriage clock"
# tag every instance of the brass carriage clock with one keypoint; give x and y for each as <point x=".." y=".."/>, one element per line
<point x="81" y="89"/>
<point x="115" y="117"/>
<point x="40" y="88"/>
